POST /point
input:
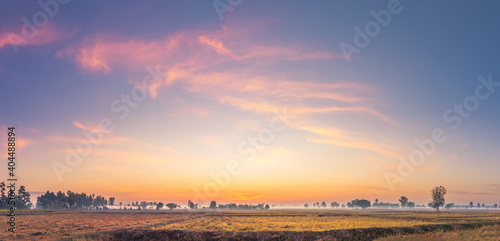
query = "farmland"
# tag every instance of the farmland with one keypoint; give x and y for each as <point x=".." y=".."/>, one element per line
<point x="270" y="224"/>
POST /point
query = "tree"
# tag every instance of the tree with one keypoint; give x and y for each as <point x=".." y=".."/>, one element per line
<point x="213" y="205"/>
<point x="334" y="205"/>
<point x="478" y="205"/>
<point x="363" y="203"/>
<point x="349" y="205"/>
<point x="172" y="206"/>
<point x="190" y="204"/>
<point x="495" y="205"/>
<point x="323" y="204"/>
<point x="144" y="204"/>
<point x="267" y="206"/>
<point x="47" y="201"/>
<point x="449" y="206"/>
<point x="306" y="205"/>
<point x="411" y="204"/>
<point x="23" y="198"/>
<point x="111" y="201"/>
<point x="471" y="204"/>
<point x="438" y="197"/>
<point x="159" y="206"/>
<point x="376" y="201"/>
<point x="3" y="197"/>
<point x="317" y="204"/>
<point x="404" y="201"/>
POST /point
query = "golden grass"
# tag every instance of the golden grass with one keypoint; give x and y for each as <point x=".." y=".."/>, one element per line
<point x="294" y="220"/>
<point x="491" y="232"/>
<point x="37" y="225"/>
<point x="290" y="223"/>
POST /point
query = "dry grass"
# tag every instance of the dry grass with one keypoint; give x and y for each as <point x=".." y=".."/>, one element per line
<point x="486" y="233"/>
<point x="37" y="225"/>
<point x="237" y="223"/>
<point x="323" y="220"/>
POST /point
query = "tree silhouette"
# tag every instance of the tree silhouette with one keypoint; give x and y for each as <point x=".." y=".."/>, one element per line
<point x="363" y="203"/>
<point x="306" y="205"/>
<point x="159" y="206"/>
<point x="172" y="206"/>
<point x="111" y="201"/>
<point x="438" y="197"/>
<point x="411" y="204"/>
<point x="23" y="198"/>
<point x="323" y="204"/>
<point x="3" y="197"/>
<point x="190" y="204"/>
<point x="213" y="205"/>
<point x="404" y="201"/>
<point x="471" y="204"/>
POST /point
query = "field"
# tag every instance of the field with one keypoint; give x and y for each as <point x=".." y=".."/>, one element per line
<point x="324" y="224"/>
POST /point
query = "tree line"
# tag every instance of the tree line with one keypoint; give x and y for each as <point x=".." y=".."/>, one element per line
<point x="22" y="197"/>
<point x="82" y="201"/>
<point x="72" y="200"/>
<point x="437" y="195"/>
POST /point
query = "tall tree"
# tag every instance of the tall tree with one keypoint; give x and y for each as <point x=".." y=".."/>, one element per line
<point x="438" y="197"/>
<point x="3" y="197"/>
<point x="190" y="204"/>
<point x="213" y="205"/>
<point x="404" y="201"/>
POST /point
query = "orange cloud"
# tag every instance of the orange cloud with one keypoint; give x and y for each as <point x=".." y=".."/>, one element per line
<point x="336" y="137"/>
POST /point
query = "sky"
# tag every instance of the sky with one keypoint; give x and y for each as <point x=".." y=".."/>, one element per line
<point x="282" y="102"/>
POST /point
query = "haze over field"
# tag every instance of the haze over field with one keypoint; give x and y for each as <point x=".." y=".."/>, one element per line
<point x="282" y="102"/>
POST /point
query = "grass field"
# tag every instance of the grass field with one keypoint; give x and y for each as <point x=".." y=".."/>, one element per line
<point x="270" y="224"/>
<point x="484" y="233"/>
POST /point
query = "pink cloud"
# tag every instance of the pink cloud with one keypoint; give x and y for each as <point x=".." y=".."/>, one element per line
<point x="44" y="35"/>
<point x="90" y="128"/>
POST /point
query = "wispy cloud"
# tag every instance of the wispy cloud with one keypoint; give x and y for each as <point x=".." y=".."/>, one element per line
<point x="337" y="137"/>
<point x="45" y="35"/>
